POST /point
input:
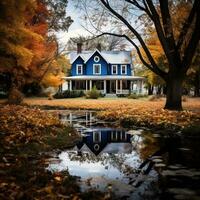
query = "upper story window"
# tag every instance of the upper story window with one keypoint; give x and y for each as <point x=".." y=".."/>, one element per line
<point x="79" y="69"/>
<point x="123" y="69"/>
<point x="96" y="137"/>
<point x="114" y="69"/>
<point x="96" y="59"/>
<point x="114" y="135"/>
<point x="96" y="69"/>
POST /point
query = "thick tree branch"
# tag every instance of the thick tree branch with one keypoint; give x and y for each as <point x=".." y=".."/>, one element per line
<point x="169" y="36"/>
<point x="193" y="43"/>
<point x="135" y="3"/>
<point x="122" y="19"/>
<point x="167" y="24"/>
<point x="160" y="33"/>
<point x="187" y="24"/>
<point x="153" y="68"/>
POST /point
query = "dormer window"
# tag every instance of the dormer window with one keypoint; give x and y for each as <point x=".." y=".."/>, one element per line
<point x="96" y="69"/>
<point x="96" y="59"/>
<point x="114" y="69"/>
<point x="123" y="69"/>
<point x="79" y="69"/>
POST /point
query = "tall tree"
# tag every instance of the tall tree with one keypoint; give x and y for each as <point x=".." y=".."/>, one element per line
<point x="179" y="48"/>
<point x="27" y="43"/>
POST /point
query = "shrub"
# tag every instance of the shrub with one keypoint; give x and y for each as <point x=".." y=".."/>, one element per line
<point x="69" y="94"/>
<point x="155" y="97"/>
<point x="137" y="96"/>
<point x="3" y="95"/>
<point x="122" y="95"/>
<point x="93" y="94"/>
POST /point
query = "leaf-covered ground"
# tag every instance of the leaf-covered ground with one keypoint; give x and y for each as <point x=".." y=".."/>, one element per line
<point x="133" y="112"/>
<point x="25" y="137"/>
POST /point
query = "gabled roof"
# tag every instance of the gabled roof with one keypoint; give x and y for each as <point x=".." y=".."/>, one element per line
<point x="111" y="57"/>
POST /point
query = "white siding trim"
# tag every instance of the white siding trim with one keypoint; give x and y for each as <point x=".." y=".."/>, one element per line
<point x="125" y="69"/>
<point x="99" y="135"/>
<point x="77" y="66"/>
<point x="112" y="66"/>
<point x="99" y="69"/>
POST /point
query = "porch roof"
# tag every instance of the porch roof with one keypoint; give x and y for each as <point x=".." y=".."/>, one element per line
<point x="131" y="78"/>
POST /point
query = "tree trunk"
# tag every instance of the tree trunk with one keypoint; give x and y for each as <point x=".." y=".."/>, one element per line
<point x="15" y="95"/>
<point x="174" y="94"/>
<point x="197" y="84"/>
<point x="150" y="89"/>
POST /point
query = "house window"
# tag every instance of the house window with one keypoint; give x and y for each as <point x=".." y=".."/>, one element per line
<point x="114" y="69"/>
<point x="123" y="136"/>
<point x="96" y="59"/>
<point x="96" y="69"/>
<point x="123" y="69"/>
<point x="79" y="69"/>
<point x="114" y="135"/>
<point x="96" y="137"/>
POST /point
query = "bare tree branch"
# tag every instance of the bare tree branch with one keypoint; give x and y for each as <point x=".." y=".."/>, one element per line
<point x="120" y="17"/>
<point x="155" y="68"/>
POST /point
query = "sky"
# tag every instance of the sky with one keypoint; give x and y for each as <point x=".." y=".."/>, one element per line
<point x="75" y="29"/>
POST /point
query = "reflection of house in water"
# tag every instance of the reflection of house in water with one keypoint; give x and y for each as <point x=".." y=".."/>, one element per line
<point x="104" y="140"/>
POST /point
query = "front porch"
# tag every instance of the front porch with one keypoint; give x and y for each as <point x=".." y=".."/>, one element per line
<point x="119" y="85"/>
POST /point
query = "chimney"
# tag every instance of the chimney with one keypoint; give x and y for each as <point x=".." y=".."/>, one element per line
<point x="79" y="48"/>
<point x="99" y="46"/>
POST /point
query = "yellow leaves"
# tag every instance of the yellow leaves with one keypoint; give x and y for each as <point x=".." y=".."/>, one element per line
<point x="30" y="35"/>
<point x="140" y="112"/>
<point x="24" y="56"/>
<point x="22" y="125"/>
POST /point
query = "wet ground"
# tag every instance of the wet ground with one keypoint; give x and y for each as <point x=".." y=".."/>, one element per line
<point x="130" y="164"/>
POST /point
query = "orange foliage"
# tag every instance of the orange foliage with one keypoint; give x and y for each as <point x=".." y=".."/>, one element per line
<point x="140" y="112"/>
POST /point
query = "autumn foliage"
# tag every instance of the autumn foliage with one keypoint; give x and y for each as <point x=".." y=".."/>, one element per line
<point x="133" y="112"/>
<point x="28" y="52"/>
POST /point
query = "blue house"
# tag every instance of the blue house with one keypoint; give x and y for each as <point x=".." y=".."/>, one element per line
<point x="110" y="71"/>
<point x="105" y="140"/>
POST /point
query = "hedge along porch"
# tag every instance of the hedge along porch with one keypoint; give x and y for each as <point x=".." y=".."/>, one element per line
<point x="106" y="84"/>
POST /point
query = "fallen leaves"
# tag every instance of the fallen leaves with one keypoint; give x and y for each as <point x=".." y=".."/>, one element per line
<point x="21" y="125"/>
<point x="133" y="112"/>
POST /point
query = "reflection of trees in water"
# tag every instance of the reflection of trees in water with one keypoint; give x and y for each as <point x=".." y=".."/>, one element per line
<point x="117" y="161"/>
<point x="146" y="145"/>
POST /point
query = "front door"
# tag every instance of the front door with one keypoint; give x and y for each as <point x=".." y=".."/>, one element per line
<point x="111" y="86"/>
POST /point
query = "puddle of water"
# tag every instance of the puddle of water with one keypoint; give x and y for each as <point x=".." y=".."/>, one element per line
<point x="115" y="160"/>
<point x="106" y="158"/>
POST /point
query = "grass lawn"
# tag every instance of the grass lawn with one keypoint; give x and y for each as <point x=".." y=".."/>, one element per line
<point x="141" y="112"/>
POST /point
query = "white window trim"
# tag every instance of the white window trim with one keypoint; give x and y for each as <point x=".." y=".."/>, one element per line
<point x="116" y="69"/>
<point x="112" y="135"/>
<point x="98" y="59"/>
<point x="99" y="69"/>
<point x="77" y="66"/>
<point x="125" y="69"/>
<point x="121" y="136"/>
<point x="99" y="133"/>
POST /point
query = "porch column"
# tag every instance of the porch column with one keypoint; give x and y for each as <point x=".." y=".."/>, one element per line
<point x="141" y="90"/>
<point x="121" y="86"/>
<point x="90" y="84"/>
<point x="116" y="86"/>
<point x="86" y="85"/>
<point x="104" y="86"/>
<point x="131" y="86"/>
<point x="70" y="85"/>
